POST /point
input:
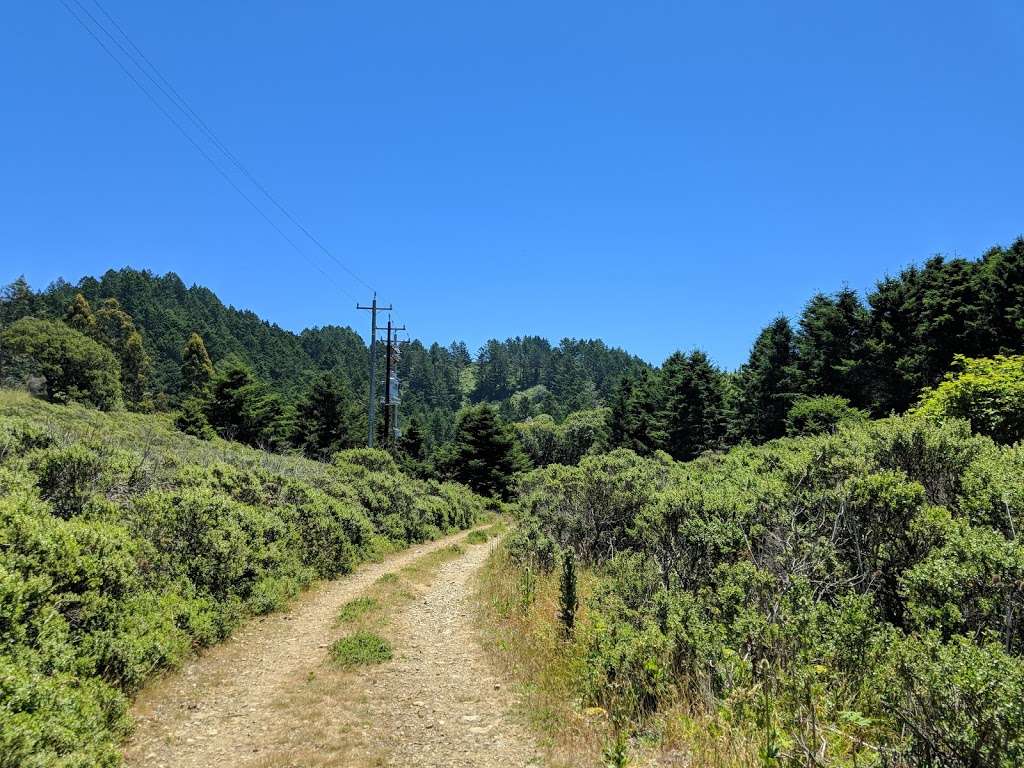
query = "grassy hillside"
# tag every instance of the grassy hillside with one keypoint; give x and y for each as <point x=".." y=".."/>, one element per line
<point x="125" y="545"/>
<point x="854" y="599"/>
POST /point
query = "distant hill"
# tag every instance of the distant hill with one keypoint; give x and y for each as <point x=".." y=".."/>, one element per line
<point x="167" y="311"/>
<point x="525" y="375"/>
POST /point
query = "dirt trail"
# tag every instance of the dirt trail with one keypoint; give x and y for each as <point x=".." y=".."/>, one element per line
<point x="266" y="698"/>
<point x="440" y="703"/>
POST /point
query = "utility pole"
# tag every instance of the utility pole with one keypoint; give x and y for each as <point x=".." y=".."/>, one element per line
<point x="390" y="416"/>
<point x="372" y="407"/>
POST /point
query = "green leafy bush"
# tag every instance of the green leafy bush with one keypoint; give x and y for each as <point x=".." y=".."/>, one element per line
<point x="120" y="556"/>
<point x="73" y="367"/>
<point x="817" y="415"/>
<point x="854" y="597"/>
<point x="987" y="392"/>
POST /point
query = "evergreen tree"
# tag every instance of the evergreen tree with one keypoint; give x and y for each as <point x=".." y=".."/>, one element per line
<point x="196" y="368"/>
<point x="135" y="372"/>
<point x="634" y="420"/>
<point x="242" y="408"/>
<point x="485" y="454"/>
<point x="192" y="419"/>
<point x="80" y="317"/>
<point x="17" y="301"/>
<point x="831" y="346"/>
<point x="1002" y="294"/>
<point x="115" y="329"/>
<point x="326" y="419"/>
<point x="766" y="385"/>
<point x="893" y="350"/>
<point x="693" y="408"/>
<point x="412" y="442"/>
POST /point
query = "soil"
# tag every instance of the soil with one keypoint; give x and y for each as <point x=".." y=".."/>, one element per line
<point x="269" y="698"/>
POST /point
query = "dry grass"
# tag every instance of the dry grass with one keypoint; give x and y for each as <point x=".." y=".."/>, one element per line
<point x="526" y="639"/>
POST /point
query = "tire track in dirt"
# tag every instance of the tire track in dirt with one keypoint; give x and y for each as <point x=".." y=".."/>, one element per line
<point x="218" y="708"/>
<point x="440" y="703"/>
<point x="267" y="698"/>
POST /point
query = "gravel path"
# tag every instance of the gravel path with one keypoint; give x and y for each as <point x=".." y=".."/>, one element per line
<point x="266" y="698"/>
<point x="440" y="705"/>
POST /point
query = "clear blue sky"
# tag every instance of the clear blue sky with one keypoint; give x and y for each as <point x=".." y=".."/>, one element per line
<point x="661" y="175"/>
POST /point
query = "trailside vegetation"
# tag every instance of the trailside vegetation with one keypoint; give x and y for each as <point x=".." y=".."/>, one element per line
<point x="126" y="545"/>
<point x="853" y="598"/>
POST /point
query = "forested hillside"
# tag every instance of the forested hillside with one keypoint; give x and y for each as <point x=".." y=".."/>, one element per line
<point x="758" y="566"/>
<point x="526" y="376"/>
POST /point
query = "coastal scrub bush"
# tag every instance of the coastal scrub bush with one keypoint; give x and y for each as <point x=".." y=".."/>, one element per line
<point x="847" y="598"/>
<point x="125" y="546"/>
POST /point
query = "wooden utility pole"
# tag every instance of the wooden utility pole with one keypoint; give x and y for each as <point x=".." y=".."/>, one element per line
<point x="371" y="413"/>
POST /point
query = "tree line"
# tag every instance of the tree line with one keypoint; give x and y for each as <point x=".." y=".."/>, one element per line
<point x="151" y="343"/>
<point x="844" y="357"/>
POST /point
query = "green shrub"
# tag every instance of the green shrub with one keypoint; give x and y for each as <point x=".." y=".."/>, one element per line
<point x="815" y="591"/>
<point x="987" y="392"/>
<point x="58" y="719"/>
<point x="68" y="477"/>
<point x="971" y="584"/>
<point x="370" y="459"/>
<point x="957" y="704"/>
<point x="818" y="415"/>
<point x="124" y="545"/>
<point x="360" y="649"/>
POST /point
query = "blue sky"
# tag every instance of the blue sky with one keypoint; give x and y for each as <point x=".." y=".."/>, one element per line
<point x="661" y="175"/>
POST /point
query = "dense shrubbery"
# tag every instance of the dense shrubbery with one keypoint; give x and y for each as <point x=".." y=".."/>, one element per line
<point x="546" y="441"/>
<point x="854" y="598"/>
<point x="817" y="415"/>
<point x="118" y="558"/>
<point x="988" y="392"/>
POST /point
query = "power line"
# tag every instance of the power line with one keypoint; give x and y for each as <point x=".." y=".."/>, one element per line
<point x="163" y="110"/>
<point x="186" y="108"/>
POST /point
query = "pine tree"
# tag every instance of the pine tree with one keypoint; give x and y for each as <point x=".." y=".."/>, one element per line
<point x="693" y="408"/>
<point x="80" y="317"/>
<point x="135" y="372"/>
<point x="766" y="385"/>
<point x="325" y="419"/>
<point x="485" y="454"/>
<point x="831" y="347"/>
<point x="17" y="301"/>
<point x="192" y="419"/>
<point x="412" y="442"/>
<point x="243" y="408"/>
<point x="635" y="421"/>
<point x="115" y="329"/>
<point x="196" y="368"/>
